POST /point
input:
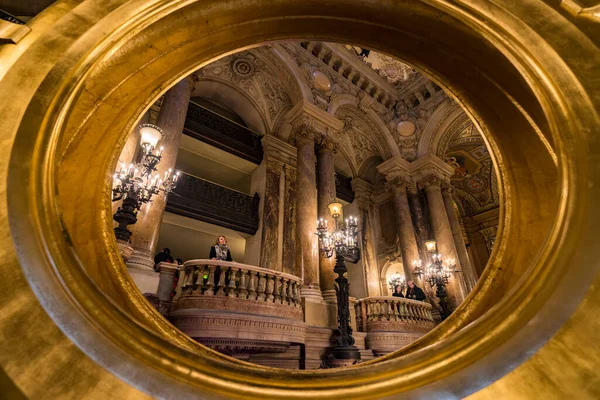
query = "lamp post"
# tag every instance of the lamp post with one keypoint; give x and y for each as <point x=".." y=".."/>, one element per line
<point x="344" y="242"/>
<point x="136" y="185"/>
<point x="438" y="273"/>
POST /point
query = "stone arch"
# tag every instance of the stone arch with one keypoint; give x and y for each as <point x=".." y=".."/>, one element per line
<point x="437" y="125"/>
<point x="390" y="267"/>
<point x="229" y="95"/>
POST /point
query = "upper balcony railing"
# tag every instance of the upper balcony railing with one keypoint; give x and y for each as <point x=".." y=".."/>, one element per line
<point x="211" y="128"/>
<point x="206" y="201"/>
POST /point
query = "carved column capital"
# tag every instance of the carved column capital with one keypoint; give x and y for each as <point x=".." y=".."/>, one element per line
<point x="192" y="79"/>
<point x="277" y="149"/>
<point x="431" y="179"/>
<point x="363" y="192"/>
<point x="304" y="132"/>
<point x="274" y="165"/>
<point x="328" y="144"/>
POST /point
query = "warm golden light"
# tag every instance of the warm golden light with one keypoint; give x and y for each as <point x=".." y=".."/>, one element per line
<point x="150" y="135"/>
<point x="335" y="209"/>
<point x="431" y="246"/>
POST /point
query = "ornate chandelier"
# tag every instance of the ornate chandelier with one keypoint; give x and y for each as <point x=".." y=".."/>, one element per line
<point x="397" y="280"/>
<point x="344" y="241"/>
<point x="438" y="273"/>
<point x="135" y="184"/>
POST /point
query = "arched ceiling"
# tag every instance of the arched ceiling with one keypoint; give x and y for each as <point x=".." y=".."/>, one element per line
<point x="474" y="181"/>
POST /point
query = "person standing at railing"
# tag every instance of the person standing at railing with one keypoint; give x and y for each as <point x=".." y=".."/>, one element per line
<point x="414" y="292"/>
<point x="220" y="251"/>
<point x="397" y="291"/>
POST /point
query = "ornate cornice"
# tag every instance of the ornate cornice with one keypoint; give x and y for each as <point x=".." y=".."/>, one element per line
<point x="363" y="191"/>
<point x="277" y="149"/>
<point x="306" y="116"/>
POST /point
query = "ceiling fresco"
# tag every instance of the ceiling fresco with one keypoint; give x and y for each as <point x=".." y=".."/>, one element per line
<point x="474" y="180"/>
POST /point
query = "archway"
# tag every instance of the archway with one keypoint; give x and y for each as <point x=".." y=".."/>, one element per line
<point x="86" y="77"/>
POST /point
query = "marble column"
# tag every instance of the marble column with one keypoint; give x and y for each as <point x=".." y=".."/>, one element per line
<point x="279" y="156"/>
<point x="171" y="119"/>
<point x="326" y="194"/>
<point x="406" y="231"/>
<point x="419" y="221"/>
<point x="363" y="191"/>
<point x="307" y="257"/>
<point x="459" y="242"/>
<point x="443" y="234"/>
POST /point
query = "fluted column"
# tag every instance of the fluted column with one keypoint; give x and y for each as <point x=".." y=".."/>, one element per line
<point x="171" y="119"/>
<point x="406" y="231"/>
<point x="307" y="258"/>
<point x="459" y="242"/>
<point x="443" y="234"/>
<point x="326" y="194"/>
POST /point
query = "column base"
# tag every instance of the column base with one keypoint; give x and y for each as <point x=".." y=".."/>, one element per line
<point x="125" y="249"/>
<point x="311" y="293"/>
<point x="146" y="280"/>
<point x="141" y="269"/>
<point x="141" y="259"/>
<point x="329" y="296"/>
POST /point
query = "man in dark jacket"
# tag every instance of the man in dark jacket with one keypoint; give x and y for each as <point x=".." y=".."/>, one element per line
<point x="414" y="292"/>
<point x="163" y="256"/>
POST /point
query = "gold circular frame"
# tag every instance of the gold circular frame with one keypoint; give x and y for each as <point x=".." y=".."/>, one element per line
<point x="79" y="81"/>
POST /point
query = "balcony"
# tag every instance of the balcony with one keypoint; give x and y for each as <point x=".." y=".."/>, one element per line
<point x="206" y="201"/>
<point x="211" y="128"/>
<point x="392" y="322"/>
<point x="239" y="309"/>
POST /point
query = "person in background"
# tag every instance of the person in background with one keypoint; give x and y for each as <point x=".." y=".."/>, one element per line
<point x="414" y="292"/>
<point x="220" y="251"/>
<point x="397" y="291"/>
<point x="163" y="256"/>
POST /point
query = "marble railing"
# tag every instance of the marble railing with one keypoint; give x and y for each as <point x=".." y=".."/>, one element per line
<point x="239" y="309"/>
<point x="392" y="322"/>
<point x="231" y="279"/>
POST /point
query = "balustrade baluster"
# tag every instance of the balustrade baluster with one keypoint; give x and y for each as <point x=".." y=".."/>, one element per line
<point x="384" y="310"/>
<point x="270" y="288"/>
<point x="394" y="314"/>
<point x="284" y="291"/>
<point x="402" y="311"/>
<point x="411" y="312"/>
<point x="252" y="285"/>
<point x="244" y="281"/>
<point x="296" y="295"/>
<point x="290" y="293"/>
<point x="364" y="317"/>
<point x="261" y="287"/>
<point x="231" y="292"/>
<point x="210" y="284"/>
<point x="277" y="290"/>
<point x="221" y="284"/>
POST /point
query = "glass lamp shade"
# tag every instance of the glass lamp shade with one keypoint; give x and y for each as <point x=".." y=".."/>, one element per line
<point x="150" y="135"/>
<point x="335" y="209"/>
<point x="431" y="246"/>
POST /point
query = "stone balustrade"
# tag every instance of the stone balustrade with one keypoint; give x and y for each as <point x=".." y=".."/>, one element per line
<point x="242" y="281"/>
<point x="239" y="309"/>
<point x="392" y="322"/>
